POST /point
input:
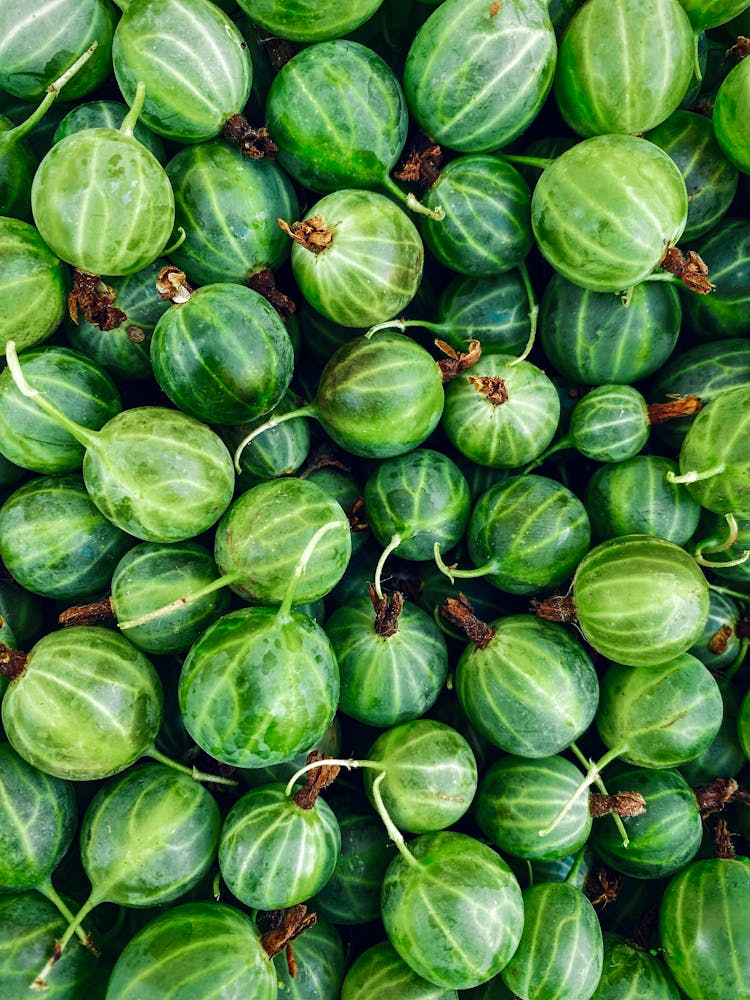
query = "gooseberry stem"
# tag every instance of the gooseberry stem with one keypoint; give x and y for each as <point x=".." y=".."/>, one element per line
<point x="350" y="764"/>
<point x="697" y="71"/>
<point x="533" y="315"/>
<point x="576" y="866"/>
<point x="48" y="890"/>
<point x="542" y="162"/>
<point x="592" y="774"/>
<point x="694" y="476"/>
<point x="463" y="574"/>
<point x="585" y="762"/>
<point x="40" y="983"/>
<point x="181" y="602"/>
<point x="303" y="411"/>
<point x="712" y="545"/>
<point x="52" y="92"/>
<point x="738" y="660"/>
<point x="412" y="202"/>
<point x="404" y="324"/>
<point x="390" y="547"/>
<point x="286" y="603"/>
<point x="393" y="831"/>
<point x="193" y="772"/>
<point x="131" y="118"/>
<point x="561" y="445"/>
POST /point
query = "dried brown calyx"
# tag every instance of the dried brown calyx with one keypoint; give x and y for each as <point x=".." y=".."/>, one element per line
<point x="723" y="846"/>
<point x="91" y="298"/>
<point x="689" y="268"/>
<point x="556" y="609"/>
<point x="314" y="234"/>
<point x="621" y="803"/>
<point x="357" y="517"/>
<point x="715" y="797"/>
<point x="720" y="640"/>
<point x="253" y="142"/>
<point x="315" y="780"/>
<point x="387" y="609"/>
<point x="279" y="50"/>
<point x="283" y="927"/>
<point x="96" y="613"/>
<point x="456" y="363"/>
<point x="495" y="8"/>
<point x="678" y="406"/>
<point x="740" y="50"/>
<point x="172" y="285"/>
<point x="422" y="165"/>
<point x="264" y="283"/>
<point x="603" y="885"/>
<point x="490" y="386"/>
<point x="12" y="662"/>
<point x="459" y="612"/>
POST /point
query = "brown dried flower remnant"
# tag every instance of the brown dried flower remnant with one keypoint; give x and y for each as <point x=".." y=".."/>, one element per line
<point x="456" y="363"/>
<point x="715" y="797"/>
<point x="689" y="268"/>
<point x="264" y="283"/>
<point x="315" y="780"/>
<point x="253" y="142"/>
<point x="313" y="234"/>
<point x="93" y="299"/>
<point x="603" y="885"/>
<point x="422" y="166"/>
<point x="172" y="285"/>
<point x="491" y="386"/>
<point x="678" y="406"/>
<point x="461" y="614"/>
<point x="284" y="926"/>
<point x="621" y="803"/>
<point x="387" y="610"/>
<point x="556" y="609"/>
<point x="495" y="8"/>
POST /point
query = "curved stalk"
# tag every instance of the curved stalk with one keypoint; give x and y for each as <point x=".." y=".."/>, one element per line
<point x="286" y="604"/>
<point x="49" y="892"/>
<point x="349" y="764"/>
<point x="411" y="201"/>
<point x="393" y="831"/>
<point x="694" y="476"/>
<point x="533" y="315"/>
<point x="592" y="774"/>
<point x="602" y="788"/>
<point x="131" y="118"/>
<point x="390" y="547"/>
<point x="181" y="602"/>
<point x="463" y="574"/>
<point x="40" y="982"/>
<point x="303" y="411"/>
<point x="193" y="772"/>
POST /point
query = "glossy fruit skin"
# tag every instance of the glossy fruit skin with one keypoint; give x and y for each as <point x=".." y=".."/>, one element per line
<point x="595" y="214"/>
<point x="381" y="397"/>
<point x="479" y="901"/>
<point x="159" y="474"/>
<point x="319" y="953"/>
<point x="704" y="924"/>
<point x="500" y="687"/>
<point x="635" y="85"/>
<point x="187" y="98"/>
<point x="641" y="600"/>
<point x="83" y="717"/>
<point x="128" y="215"/>
<point x="628" y="971"/>
<point x="231" y="706"/>
<point x="107" y="114"/>
<point x="730" y="116"/>
<point x="519" y="796"/>
<point x="273" y="853"/>
<point x="228" y="956"/>
<point x="338" y="115"/>
<point x="371" y="269"/>
<point x="33" y="288"/>
<point x="380" y="974"/>
<point x="224" y="356"/>
<point x="565" y="964"/>
<point x="475" y="80"/>
<point x="310" y="20"/>
<point x="493" y="310"/>
<point x="725" y="251"/>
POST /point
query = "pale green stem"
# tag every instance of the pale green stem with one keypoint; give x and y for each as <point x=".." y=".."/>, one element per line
<point x="738" y="661"/>
<point x="542" y="162"/>
<point x="533" y="315"/>
<point x="286" y="604"/>
<point x="181" y="602"/>
<point x="411" y="201"/>
<point x="659" y="276"/>
<point x="393" y="831"/>
<point x="729" y="593"/>
<point x="561" y="445"/>
<point x="717" y="564"/>
<point x="576" y="866"/>
<point x="713" y="545"/>
<point x="193" y="772"/>
<point x="696" y="477"/>
<point x="81" y="434"/>
<point x="403" y="324"/>
<point x="463" y="574"/>
<point x="698" y="73"/>
<point x="390" y="547"/>
<point x="350" y="764"/>
<point x="40" y="983"/>
<point x="177" y="243"/>
<point x="131" y="118"/>
<point x="602" y="788"/>
<point x="591" y="776"/>
<point x="47" y="889"/>
<point x="303" y="411"/>
<point x="52" y="91"/>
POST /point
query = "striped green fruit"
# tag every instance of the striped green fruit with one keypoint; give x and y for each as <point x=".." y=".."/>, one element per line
<point x="717" y="449"/>
<point x="635" y="497"/>
<point x="190" y="91"/>
<point x="723" y="313"/>
<point x="605" y="211"/>
<point x="640" y="600"/>
<point x="704" y="925"/>
<point x="39" y="42"/>
<point x="528" y="533"/>
<point x="232" y="709"/>
<point x="724" y="754"/>
<point x="519" y="796"/>
<point x="380" y="973"/>
<point x="87" y="705"/>
<point x="56" y="543"/>
<point x="503" y="413"/>
<point x="531" y="690"/>
<point x="310" y="20"/>
<point x="664" y="838"/>
<point x="319" y="954"/>
<point x="274" y="853"/>
<point x="730" y="117"/>
<point x="430" y="775"/>
<point x="224" y="356"/>
<point x="117" y="225"/>
<point x="17" y="166"/>
<point x="559" y="956"/>
<point x="157" y="965"/>
<point x="151" y="576"/>
<point x="711" y="13"/>
<point x="476" y="74"/>
<point x="454" y="913"/>
<point x="487" y="224"/>
<point x="33" y="286"/>
<point x="659" y="716"/>
<point x="338" y="115"/>
<point x="386" y="679"/>
<point x="636" y="83"/>
<point x="371" y="268"/>
<point x="594" y="338"/>
<point x="629" y="973"/>
<point x="719" y="644"/>
<point x="711" y="180"/>
<point x="494" y="311"/>
<point x="347" y="492"/>
<point x="228" y="205"/>
<point x="75" y="383"/>
<point x="610" y="423"/>
<point x="107" y="114"/>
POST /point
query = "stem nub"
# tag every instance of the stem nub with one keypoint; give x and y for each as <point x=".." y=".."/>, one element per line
<point x="461" y="614"/>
